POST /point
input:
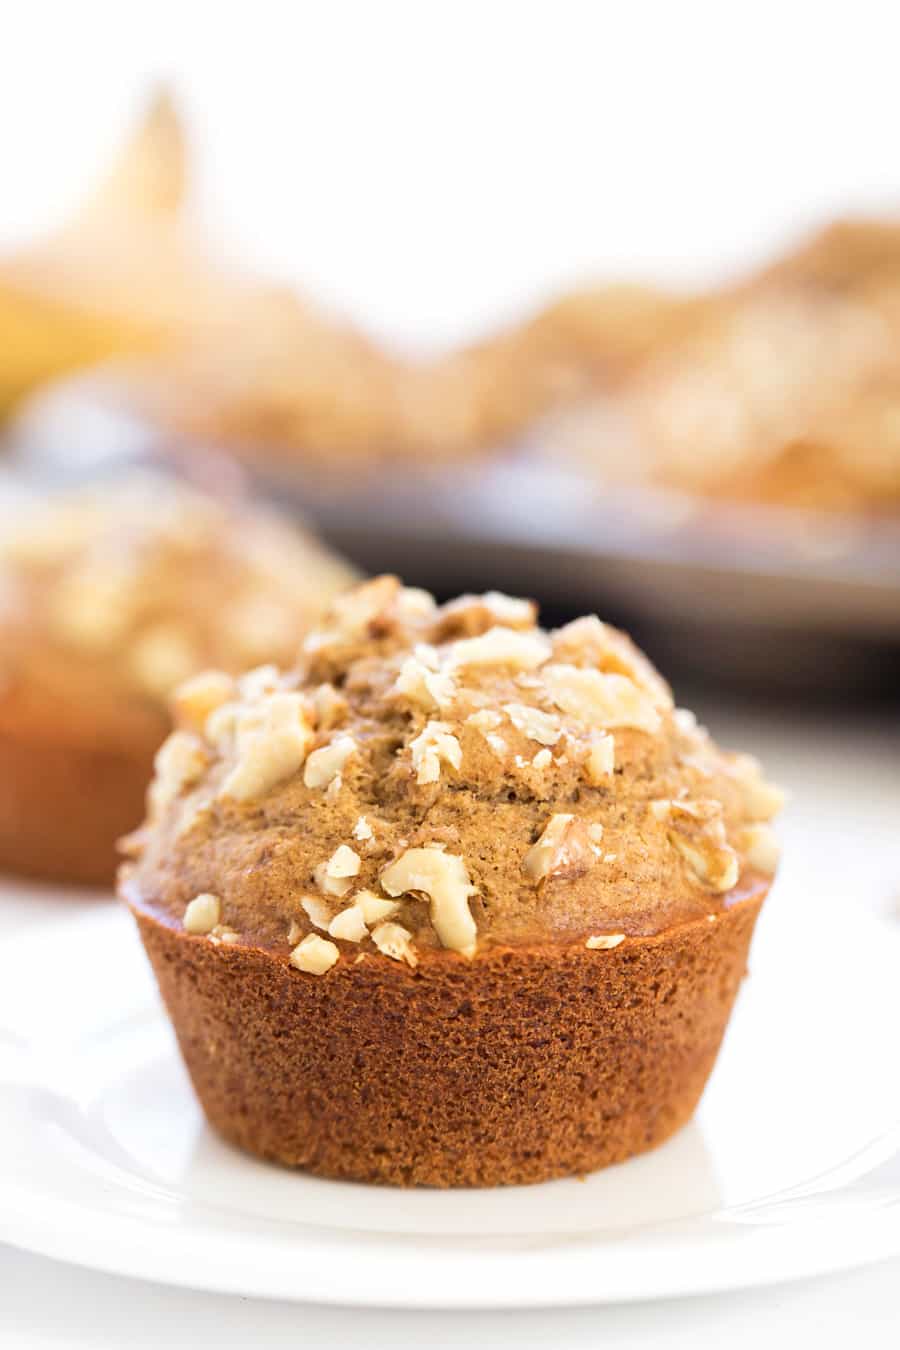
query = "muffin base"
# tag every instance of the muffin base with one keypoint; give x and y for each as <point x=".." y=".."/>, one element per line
<point x="523" y="1064"/>
<point x="62" y="808"/>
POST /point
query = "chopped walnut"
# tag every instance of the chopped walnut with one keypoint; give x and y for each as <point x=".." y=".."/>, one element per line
<point x="196" y="698"/>
<point x="413" y="604"/>
<point x="362" y="831"/>
<point x="543" y="727"/>
<point x="316" y="911"/>
<point x="354" y="614"/>
<point x="759" y="845"/>
<point x="444" y="879"/>
<point x="422" y="683"/>
<point x="349" y="924"/>
<point x="697" y="830"/>
<point x="326" y="764"/>
<point x="202" y="914"/>
<point x="502" y="647"/>
<point x="601" y="700"/>
<point x="434" y="743"/>
<point x="473" y="614"/>
<point x="256" y="683"/>
<point x="272" y="738"/>
<point x="329" y="707"/>
<point x="562" y="850"/>
<point x="542" y="760"/>
<point x="221" y="933"/>
<point x="589" y="641"/>
<point x="393" y="940"/>
<point x="484" y="720"/>
<point x="162" y="658"/>
<point x="600" y="760"/>
<point x="375" y="907"/>
<point x="179" y="762"/>
<point x="762" y="800"/>
<point x="497" y="744"/>
<point x="604" y="942"/>
<point x="314" y="955"/>
<point x="335" y="876"/>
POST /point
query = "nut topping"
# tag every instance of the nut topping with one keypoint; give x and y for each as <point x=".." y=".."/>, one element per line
<point x="393" y="940"/>
<point x="327" y="763"/>
<point x="202" y="914"/>
<point x="563" y="850"/>
<point x="314" y="955"/>
<point x="600" y="700"/>
<point x="444" y="879"/>
<point x="433" y="744"/>
<point x="271" y="738"/>
<point x="335" y="877"/>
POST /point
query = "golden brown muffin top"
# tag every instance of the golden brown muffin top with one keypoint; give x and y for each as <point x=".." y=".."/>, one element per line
<point x="113" y="596"/>
<point x="445" y="776"/>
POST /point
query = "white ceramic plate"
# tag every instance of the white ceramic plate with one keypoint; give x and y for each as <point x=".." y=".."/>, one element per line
<point x="791" y="1167"/>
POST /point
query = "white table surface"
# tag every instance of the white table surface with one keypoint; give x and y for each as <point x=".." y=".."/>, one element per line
<point x="839" y="770"/>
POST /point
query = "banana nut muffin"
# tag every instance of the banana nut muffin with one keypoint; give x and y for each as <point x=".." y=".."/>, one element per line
<point x="456" y="902"/>
<point x="108" y="599"/>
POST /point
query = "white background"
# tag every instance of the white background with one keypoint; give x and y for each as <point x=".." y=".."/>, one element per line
<point x="433" y="169"/>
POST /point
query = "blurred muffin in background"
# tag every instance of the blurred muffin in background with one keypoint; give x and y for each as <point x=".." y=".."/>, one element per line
<point x="784" y="389"/>
<point x="110" y="598"/>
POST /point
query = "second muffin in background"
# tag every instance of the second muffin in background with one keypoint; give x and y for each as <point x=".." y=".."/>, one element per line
<point x="108" y="599"/>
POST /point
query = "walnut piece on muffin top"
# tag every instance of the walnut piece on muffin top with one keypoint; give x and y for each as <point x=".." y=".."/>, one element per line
<point x="445" y="778"/>
<point x="125" y="590"/>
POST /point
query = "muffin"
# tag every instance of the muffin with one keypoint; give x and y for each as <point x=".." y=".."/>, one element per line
<point x="456" y="902"/>
<point x="109" y="599"/>
<point x="782" y="389"/>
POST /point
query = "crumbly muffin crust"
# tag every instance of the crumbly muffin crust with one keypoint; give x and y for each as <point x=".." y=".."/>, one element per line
<point x="124" y="591"/>
<point x="450" y="778"/>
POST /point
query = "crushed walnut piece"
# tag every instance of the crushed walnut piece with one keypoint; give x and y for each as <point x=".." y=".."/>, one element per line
<point x="423" y="683"/>
<point x="759" y="845"/>
<point x="697" y="830"/>
<point x="349" y="924"/>
<point x="543" y="727"/>
<point x="591" y="640"/>
<point x="434" y="743"/>
<point x="502" y="647"/>
<point x="601" y="701"/>
<point x="604" y="942"/>
<point x="194" y="699"/>
<point x="180" y="761"/>
<point x="564" y="849"/>
<point x="314" y="955"/>
<point x="375" y="907"/>
<point x="202" y="914"/>
<point x="393" y="940"/>
<point x="762" y="800"/>
<point x="316" y="911"/>
<point x="600" y="760"/>
<point x="444" y="879"/>
<point x="271" y="740"/>
<point x="326" y="764"/>
<point x="335" y="875"/>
